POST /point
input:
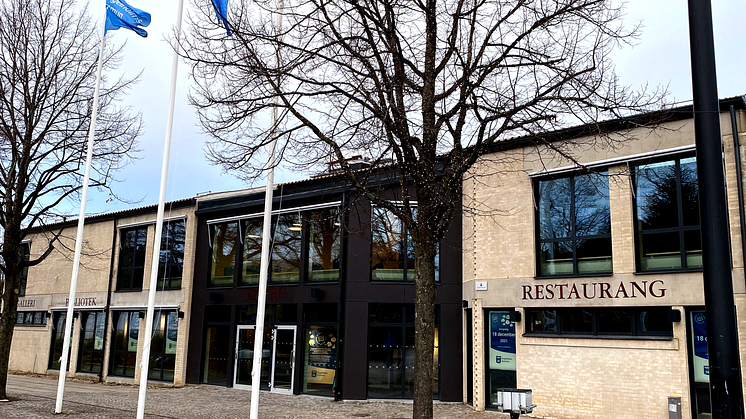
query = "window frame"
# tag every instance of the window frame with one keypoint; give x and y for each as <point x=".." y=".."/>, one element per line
<point x="403" y="251"/>
<point x="81" y="346"/>
<point x="33" y="323"/>
<point x="161" y="351"/>
<point x="113" y="351"/>
<point x="165" y="280"/>
<point x="304" y="269"/>
<point x="132" y="281"/>
<point x="572" y="238"/>
<point x="25" y="251"/>
<point x="680" y="229"/>
<point x="635" y="321"/>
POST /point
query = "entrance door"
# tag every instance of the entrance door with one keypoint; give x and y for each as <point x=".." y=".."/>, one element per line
<point x="245" y="358"/>
<point x="278" y="358"/>
<point x="283" y="363"/>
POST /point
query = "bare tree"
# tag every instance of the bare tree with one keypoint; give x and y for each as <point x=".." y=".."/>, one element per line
<point x="48" y="58"/>
<point x="421" y="87"/>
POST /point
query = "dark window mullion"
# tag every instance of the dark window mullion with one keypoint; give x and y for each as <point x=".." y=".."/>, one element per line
<point x="573" y="239"/>
<point x="680" y="208"/>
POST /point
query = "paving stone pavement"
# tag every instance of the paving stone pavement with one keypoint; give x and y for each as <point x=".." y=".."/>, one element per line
<point x="34" y="397"/>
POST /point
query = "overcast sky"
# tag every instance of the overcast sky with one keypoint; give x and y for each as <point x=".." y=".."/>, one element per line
<point x="661" y="57"/>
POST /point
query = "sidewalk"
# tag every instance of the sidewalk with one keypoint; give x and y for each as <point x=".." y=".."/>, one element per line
<point x="34" y="397"/>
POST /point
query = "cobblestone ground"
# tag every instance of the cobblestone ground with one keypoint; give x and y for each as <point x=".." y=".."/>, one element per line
<point x="34" y="397"/>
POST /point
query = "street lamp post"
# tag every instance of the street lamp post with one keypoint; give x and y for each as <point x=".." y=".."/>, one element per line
<point x="726" y="393"/>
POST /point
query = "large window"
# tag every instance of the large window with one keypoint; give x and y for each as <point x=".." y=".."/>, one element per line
<point x="574" y="225"/>
<point x="171" y="260"/>
<point x="252" y="251"/>
<point x="91" y="350"/>
<point x="132" y="259"/>
<point x="645" y="322"/>
<point x="23" y="277"/>
<point x="667" y="211"/>
<point x="163" y="346"/>
<point x="392" y="252"/>
<point x="58" y="333"/>
<point x="305" y="245"/>
<point x="124" y="347"/>
<point x="391" y="351"/>
<point x="286" y="248"/>
<point x="324" y="245"/>
<point x="224" y="248"/>
<point x="217" y="345"/>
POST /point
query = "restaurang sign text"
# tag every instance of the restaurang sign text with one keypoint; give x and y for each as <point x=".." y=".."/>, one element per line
<point x="594" y="290"/>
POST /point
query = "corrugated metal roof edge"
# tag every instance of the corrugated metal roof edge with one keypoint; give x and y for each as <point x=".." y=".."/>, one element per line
<point x="179" y="203"/>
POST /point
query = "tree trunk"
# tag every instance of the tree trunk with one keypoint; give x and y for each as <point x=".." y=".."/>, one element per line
<point x="424" y="306"/>
<point x="8" y="318"/>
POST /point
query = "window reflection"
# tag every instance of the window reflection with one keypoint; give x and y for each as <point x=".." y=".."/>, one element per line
<point x="667" y="206"/>
<point x="252" y="251"/>
<point x="323" y="260"/>
<point x="171" y="260"/>
<point x="574" y="225"/>
<point x="286" y="248"/>
<point x="224" y="243"/>
<point x="132" y="258"/>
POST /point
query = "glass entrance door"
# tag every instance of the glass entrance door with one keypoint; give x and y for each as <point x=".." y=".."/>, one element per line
<point x="283" y="364"/>
<point x="245" y="358"/>
<point x="278" y="358"/>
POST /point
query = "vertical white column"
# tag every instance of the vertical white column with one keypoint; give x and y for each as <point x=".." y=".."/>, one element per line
<point x="145" y="362"/>
<point x="79" y="237"/>
<point x="266" y="247"/>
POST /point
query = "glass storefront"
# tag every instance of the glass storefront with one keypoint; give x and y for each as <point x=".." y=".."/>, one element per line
<point x="91" y="350"/>
<point x="391" y="352"/>
<point x="124" y="348"/>
<point x="501" y="359"/>
<point x="217" y="345"/>
<point x="163" y="346"/>
<point x="58" y="331"/>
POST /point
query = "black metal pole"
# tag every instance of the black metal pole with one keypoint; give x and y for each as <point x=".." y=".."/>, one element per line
<point x="726" y="393"/>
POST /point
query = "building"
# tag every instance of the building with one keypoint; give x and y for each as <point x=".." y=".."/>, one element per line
<point x="111" y="298"/>
<point x="339" y="317"/>
<point x="586" y="287"/>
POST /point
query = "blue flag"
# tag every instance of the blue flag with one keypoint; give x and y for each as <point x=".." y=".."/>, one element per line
<point x="121" y="15"/>
<point x="221" y="10"/>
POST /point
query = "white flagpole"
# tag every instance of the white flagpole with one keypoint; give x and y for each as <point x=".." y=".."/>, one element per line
<point x="256" y="370"/>
<point x="79" y="237"/>
<point x="144" y="364"/>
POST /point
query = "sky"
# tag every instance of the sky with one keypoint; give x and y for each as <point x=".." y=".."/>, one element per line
<point x="660" y="57"/>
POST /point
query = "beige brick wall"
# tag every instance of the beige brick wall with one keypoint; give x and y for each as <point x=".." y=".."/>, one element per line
<point x="584" y="378"/>
<point x="29" y="350"/>
<point x="49" y="285"/>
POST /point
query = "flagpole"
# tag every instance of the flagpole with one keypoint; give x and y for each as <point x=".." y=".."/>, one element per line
<point x="144" y="364"/>
<point x="266" y="247"/>
<point x="79" y="238"/>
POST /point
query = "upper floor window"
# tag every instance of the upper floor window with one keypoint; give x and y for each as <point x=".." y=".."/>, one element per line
<point x="392" y="248"/>
<point x="23" y="277"/>
<point x="305" y="245"/>
<point x="667" y="215"/>
<point x="574" y="225"/>
<point x="171" y="260"/>
<point x="132" y="258"/>
<point x="324" y="245"/>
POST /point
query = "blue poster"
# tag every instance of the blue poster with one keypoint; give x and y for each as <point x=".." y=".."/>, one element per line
<point x="502" y="341"/>
<point x="699" y="343"/>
